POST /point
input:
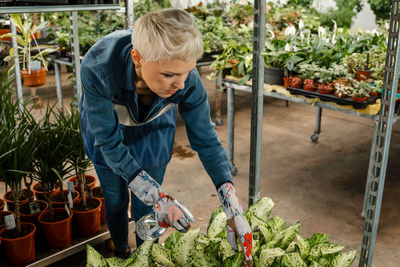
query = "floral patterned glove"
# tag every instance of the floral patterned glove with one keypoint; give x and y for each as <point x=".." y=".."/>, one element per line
<point x="168" y="211"/>
<point x="237" y="225"/>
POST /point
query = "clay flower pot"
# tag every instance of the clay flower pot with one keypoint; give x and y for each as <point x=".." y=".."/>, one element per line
<point x="309" y="85"/>
<point x="325" y="88"/>
<point x="8" y="198"/>
<point x="90" y="181"/>
<point x="57" y="229"/>
<point x="35" y="78"/>
<point x="98" y="193"/>
<point x="286" y="81"/>
<point x="26" y="214"/>
<point x="88" y="221"/>
<point x="359" y="98"/>
<point x="373" y="93"/>
<point x="362" y="75"/>
<point x="20" y="251"/>
<point x="59" y="203"/>
<point x="2" y="204"/>
<point x="295" y="82"/>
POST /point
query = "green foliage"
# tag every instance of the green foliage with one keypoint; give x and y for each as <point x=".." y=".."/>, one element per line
<point x="381" y="8"/>
<point x="303" y="3"/>
<point x="278" y="245"/>
<point x="27" y="49"/>
<point x="146" y="6"/>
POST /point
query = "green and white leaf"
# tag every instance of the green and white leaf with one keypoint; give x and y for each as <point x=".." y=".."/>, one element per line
<point x="262" y="209"/>
<point x="304" y="246"/>
<point x="268" y="255"/>
<point x="234" y="260"/>
<point x="94" y="258"/>
<point x="318" y="238"/>
<point x="330" y="248"/>
<point x="289" y="235"/>
<point x="172" y="239"/>
<point x="293" y="260"/>
<point x="344" y="259"/>
<point x="161" y="255"/>
<point x="183" y="250"/>
<point x="142" y="255"/>
<point x="217" y="224"/>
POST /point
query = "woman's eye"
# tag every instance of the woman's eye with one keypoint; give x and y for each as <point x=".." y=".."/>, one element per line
<point x="167" y="75"/>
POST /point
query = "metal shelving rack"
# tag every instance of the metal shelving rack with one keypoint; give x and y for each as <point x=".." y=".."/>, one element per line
<point x="382" y="130"/>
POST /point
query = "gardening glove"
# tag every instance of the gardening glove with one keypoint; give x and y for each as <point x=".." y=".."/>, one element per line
<point x="237" y="225"/>
<point x="168" y="211"/>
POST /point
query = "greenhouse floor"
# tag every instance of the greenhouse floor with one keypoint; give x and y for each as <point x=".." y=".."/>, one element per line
<point x="321" y="185"/>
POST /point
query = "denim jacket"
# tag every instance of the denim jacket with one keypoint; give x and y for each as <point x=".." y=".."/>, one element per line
<point x="112" y="135"/>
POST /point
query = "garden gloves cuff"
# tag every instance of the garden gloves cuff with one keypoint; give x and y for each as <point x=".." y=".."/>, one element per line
<point x="237" y="225"/>
<point x="168" y="211"/>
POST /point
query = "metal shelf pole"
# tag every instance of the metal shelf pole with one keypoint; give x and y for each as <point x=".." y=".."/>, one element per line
<point x="257" y="100"/>
<point x="382" y="134"/>
<point x="76" y="62"/>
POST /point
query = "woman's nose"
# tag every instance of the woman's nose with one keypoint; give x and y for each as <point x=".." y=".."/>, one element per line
<point x="180" y="82"/>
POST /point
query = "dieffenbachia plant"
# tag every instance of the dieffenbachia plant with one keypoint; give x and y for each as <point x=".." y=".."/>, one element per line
<point x="274" y="244"/>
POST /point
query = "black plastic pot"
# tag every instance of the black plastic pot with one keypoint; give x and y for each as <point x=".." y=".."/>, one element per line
<point x="273" y="76"/>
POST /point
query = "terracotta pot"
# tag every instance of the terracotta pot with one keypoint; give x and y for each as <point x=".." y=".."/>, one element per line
<point x="309" y="85"/>
<point x="296" y="82"/>
<point x="359" y="99"/>
<point x="58" y="234"/>
<point x="61" y="204"/>
<point x="39" y="194"/>
<point x="2" y="204"/>
<point x="88" y="222"/>
<point x="373" y="93"/>
<point x="96" y="194"/>
<point x="20" y="251"/>
<point x="362" y="75"/>
<point x="26" y="216"/>
<point x="90" y="180"/>
<point x="35" y="78"/>
<point x="10" y="201"/>
<point x="5" y="39"/>
<point x="286" y="81"/>
<point x="2" y="214"/>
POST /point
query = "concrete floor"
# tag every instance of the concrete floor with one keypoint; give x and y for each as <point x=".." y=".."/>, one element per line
<point x="321" y="185"/>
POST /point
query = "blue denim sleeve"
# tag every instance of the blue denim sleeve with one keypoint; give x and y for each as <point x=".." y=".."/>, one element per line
<point x="103" y="121"/>
<point x="195" y="111"/>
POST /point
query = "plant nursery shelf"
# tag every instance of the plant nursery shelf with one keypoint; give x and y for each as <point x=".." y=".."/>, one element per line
<point x="45" y="256"/>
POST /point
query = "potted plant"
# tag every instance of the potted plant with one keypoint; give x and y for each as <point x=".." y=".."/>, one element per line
<point x="307" y="72"/>
<point x="87" y="209"/>
<point x="324" y="78"/>
<point x="358" y="65"/>
<point x="31" y="55"/>
<point x="51" y="166"/>
<point x="17" y="137"/>
<point x="360" y="92"/>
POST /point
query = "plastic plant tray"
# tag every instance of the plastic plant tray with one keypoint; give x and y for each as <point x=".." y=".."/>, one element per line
<point x="333" y="98"/>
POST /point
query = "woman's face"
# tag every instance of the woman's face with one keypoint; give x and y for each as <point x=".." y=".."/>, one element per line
<point x="165" y="78"/>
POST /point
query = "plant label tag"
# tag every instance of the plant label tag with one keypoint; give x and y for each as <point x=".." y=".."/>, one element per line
<point x="9" y="221"/>
<point x="71" y="205"/>
<point x="71" y="187"/>
<point x="67" y="210"/>
<point x="34" y="207"/>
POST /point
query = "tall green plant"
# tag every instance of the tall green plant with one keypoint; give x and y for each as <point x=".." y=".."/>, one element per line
<point x="51" y="161"/>
<point x="25" y="49"/>
<point x="18" y="143"/>
<point x="77" y="155"/>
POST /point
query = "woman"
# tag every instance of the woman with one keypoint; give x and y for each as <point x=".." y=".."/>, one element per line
<point x="132" y="83"/>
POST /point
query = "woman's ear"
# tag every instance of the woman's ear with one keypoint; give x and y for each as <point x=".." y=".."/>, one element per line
<point x="136" y="57"/>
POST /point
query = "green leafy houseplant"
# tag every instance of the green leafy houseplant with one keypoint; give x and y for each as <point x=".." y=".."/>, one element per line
<point x="51" y="161"/>
<point x="77" y="156"/>
<point x="26" y="50"/>
<point x="17" y="136"/>
<point x="274" y="244"/>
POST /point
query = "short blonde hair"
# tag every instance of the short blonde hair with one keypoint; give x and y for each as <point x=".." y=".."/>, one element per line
<point x="167" y="34"/>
